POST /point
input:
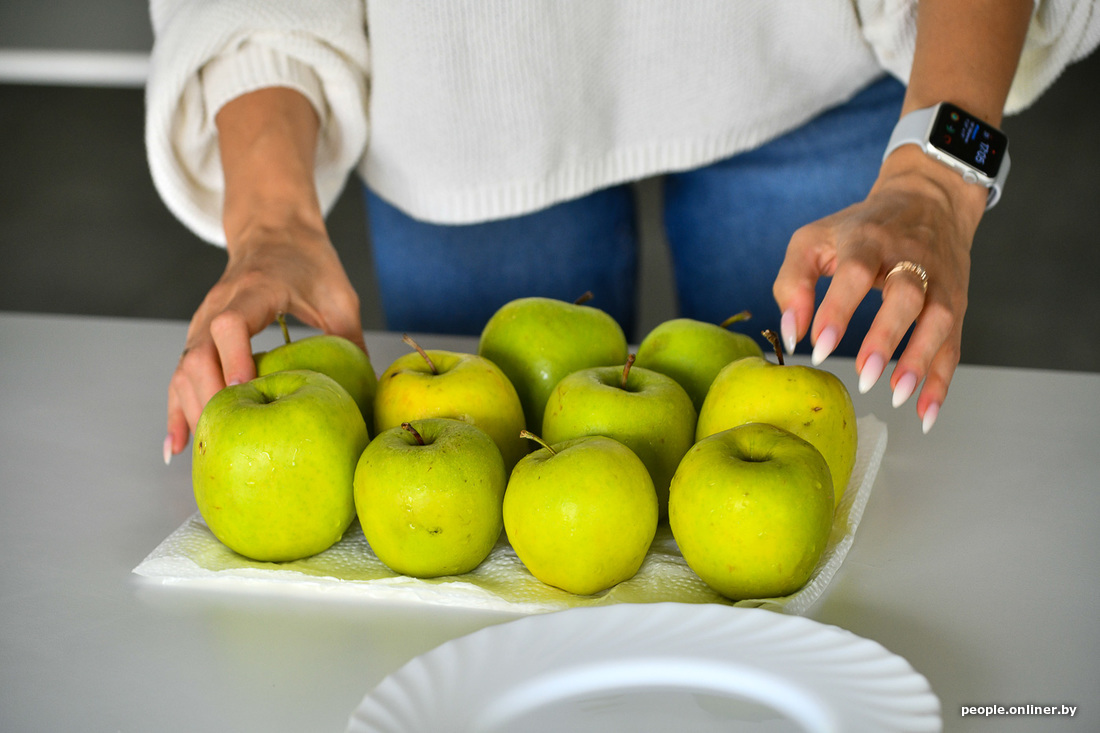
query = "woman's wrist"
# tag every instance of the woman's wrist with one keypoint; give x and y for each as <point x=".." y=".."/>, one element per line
<point x="910" y="168"/>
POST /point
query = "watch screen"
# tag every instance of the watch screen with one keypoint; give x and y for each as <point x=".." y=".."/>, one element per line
<point x="964" y="136"/>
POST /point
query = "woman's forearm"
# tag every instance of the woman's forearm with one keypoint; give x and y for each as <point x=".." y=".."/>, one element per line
<point x="267" y="140"/>
<point x="967" y="53"/>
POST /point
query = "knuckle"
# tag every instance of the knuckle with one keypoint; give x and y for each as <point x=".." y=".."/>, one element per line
<point x="858" y="272"/>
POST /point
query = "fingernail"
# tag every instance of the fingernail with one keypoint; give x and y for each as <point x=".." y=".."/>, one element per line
<point x="788" y="331"/>
<point x="930" y="416"/>
<point x="168" y="450"/>
<point x="904" y="390"/>
<point x="872" y="370"/>
<point x="826" y="342"/>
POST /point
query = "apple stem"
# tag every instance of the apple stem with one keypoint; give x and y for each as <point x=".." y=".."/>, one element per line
<point x="735" y="318"/>
<point x="411" y="429"/>
<point x="281" y="318"/>
<point x="626" y="368"/>
<point x="585" y="297"/>
<point x="531" y="436"/>
<point x="409" y="340"/>
<point x="773" y="337"/>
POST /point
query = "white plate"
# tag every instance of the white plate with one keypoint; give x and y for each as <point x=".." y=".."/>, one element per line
<point x="653" y="667"/>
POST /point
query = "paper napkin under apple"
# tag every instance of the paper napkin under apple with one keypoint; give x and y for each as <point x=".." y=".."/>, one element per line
<point x="192" y="555"/>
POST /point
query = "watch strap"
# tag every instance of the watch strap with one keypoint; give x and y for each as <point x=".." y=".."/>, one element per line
<point x="916" y="127"/>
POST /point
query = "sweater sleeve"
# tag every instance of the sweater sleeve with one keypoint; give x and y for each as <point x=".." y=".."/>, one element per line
<point x="206" y="52"/>
<point x="1061" y="32"/>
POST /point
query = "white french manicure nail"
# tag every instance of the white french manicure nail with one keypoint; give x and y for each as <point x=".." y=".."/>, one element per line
<point x="826" y="342"/>
<point x="904" y="390"/>
<point x="788" y="331"/>
<point x="168" y="450"/>
<point x="872" y="370"/>
<point x="930" y="416"/>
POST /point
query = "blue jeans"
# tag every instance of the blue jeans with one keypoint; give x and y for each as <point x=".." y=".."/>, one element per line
<point x="728" y="225"/>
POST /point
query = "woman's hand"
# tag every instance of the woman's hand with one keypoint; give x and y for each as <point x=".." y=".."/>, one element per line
<point x="280" y="256"/>
<point x="918" y="211"/>
<point x="284" y="271"/>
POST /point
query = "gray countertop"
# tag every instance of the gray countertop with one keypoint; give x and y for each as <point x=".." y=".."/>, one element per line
<point x="977" y="559"/>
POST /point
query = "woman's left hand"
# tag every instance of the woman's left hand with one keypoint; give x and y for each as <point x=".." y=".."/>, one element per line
<point x="920" y="212"/>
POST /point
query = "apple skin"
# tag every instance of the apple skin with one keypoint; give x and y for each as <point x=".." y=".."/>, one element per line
<point x="273" y="463"/>
<point x="809" y="402"/>
<point x="433" y="509"/>
<point x="751" y="510"/>
<point x="467" y="387"/>
<point x="693" y="352"/>
<point x="583" y="517"/>
<point x="538" y="341"/>
<point x="334" y="356"/>
<point x="653" y="416"/>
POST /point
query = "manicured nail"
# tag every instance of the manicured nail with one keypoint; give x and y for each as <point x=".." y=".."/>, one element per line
<point x="930" y="416"/>
<point x="788" y="331"/>
<point x="826" y="342"/>
<point x="904" y="390"/>
<point x="871" y="371"/>
<point x="168" y="450"/>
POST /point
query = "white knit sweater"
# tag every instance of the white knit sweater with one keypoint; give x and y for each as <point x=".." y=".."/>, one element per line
<point x="460" y="111"/>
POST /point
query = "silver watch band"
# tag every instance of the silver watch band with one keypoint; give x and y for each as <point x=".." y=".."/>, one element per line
<point x="915" y="128"/>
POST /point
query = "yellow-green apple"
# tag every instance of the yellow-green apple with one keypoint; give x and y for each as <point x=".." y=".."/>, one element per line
<point x="538" y="341"/>
<point x="273" y="463"/>
<point x="429" y="495"/>
<point x="751" y="510"/>
<point x="693" y="352"/>
<point x="468" y="387"/>
<point x="645" y="410"/>
<point x="581" y="514"/>
<point x="332" y="355"/>
<point x="811" y="403"/>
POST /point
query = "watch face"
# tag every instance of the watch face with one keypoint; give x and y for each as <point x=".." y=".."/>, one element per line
<point x="965" y="137"/>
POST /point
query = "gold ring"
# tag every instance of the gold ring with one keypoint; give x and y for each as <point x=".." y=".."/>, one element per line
<point x="913" y="267"/>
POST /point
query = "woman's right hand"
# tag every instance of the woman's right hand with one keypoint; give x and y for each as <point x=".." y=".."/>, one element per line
<point x="292" y="272"/>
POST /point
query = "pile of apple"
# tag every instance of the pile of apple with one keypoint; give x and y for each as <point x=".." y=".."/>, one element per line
<point x="552" y="434"/>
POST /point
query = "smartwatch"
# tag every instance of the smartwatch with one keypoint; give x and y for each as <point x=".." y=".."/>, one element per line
<point x="959" y="140"/>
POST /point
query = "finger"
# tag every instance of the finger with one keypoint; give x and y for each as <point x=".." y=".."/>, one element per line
<point x="852" y="281"/>
<point x="232" y="336"/>
<point x="795" y="286"/>
<point x="902" y="301"/>
<point x="934" y="391"/>
<point x="197" y="379"/>
<point x="178" y="429"/>
<point x="935" y="334"/>
<point x="341" y="316"/>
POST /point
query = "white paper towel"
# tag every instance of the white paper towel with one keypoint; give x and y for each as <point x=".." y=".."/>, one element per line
<point x="192" y="555"/>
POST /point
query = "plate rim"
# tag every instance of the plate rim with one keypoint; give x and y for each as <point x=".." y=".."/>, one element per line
<point x="921" y="710"/>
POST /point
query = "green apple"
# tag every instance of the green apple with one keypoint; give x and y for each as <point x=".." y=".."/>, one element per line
<point x="334" y="356"/>
<point x="693" y="352"/>
<point x="538" y="341"/>
<point x="273" y="463"/>
<point x="434" y="383"/>
<point x="751" y="510"/>
<point x="646" y="411"/>
<point x="581" y="514"/>
<point x="429" y="496"/>
<point x="809" y="402"/>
